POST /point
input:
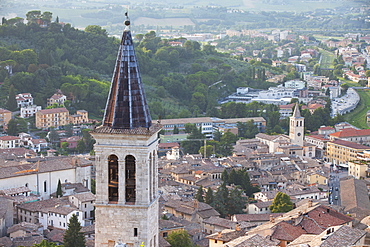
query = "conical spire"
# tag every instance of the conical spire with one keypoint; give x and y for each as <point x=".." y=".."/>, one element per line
<point x="297" y="112"/>
<point x="126" y="105"/>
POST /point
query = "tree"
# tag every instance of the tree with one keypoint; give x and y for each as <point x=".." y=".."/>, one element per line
<point x="179" y="238"/>
<point x="209" y="196"/>
<point x="199" y="194"/>
<point x="175" y="130"/>
<point x="11" y="104"/>
<point x="225" y="176"/>
<point x="33" y="16"/>
<point x="96" y="30"/>
<point x="12" y="127"/>
<point x="281" y="203"/>
<point x="45" y="243"/>
<point x="59" y="189"/>
<point x="221" y="200"/>
<point x="73" y="236"/>
<point x="236" y="201"/>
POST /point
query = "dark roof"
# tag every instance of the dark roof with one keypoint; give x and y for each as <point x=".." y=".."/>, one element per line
<point x="344" y="236"/>
<point x="56" y="235"/>
<point x="285" y="231"/>
<point x="169" y="224"/>
<point x="126" y="105"/>
<point x="226" y="235"/>
<point x="256" y="217"/>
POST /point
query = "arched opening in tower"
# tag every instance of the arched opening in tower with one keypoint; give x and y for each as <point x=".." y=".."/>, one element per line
<point x="113" y="178"/>
<point x="130" y="171"/>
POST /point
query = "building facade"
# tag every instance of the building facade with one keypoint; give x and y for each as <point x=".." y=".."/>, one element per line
<point x="339" y="152"/>
<point x="55" y="117"/>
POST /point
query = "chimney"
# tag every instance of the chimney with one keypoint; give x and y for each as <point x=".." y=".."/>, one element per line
<point x="237" y="228"/>
<point x="272" y="220"/>
<point x="310" y="203"/>
<point x="219" y="234"/>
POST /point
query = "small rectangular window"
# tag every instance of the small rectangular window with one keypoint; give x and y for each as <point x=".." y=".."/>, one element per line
<point x="135" y="232"/>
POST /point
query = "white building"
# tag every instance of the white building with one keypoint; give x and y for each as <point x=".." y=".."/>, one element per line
<point x="9" y="142"/>
<point x="295" y="84"/>
<point x="42" y="176"/>
<point x="29" y="111"/>
<point x="24" y="100"/>
<point x="85" y="203"/>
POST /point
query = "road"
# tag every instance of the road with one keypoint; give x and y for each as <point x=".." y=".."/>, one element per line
<point x="334" y="187"/>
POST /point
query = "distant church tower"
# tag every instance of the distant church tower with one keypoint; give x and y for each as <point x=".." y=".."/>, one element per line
<point x="126" y="160"/>
<point x="296" y="128"/>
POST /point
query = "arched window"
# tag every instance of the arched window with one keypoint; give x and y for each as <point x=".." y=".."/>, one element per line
<point x="113" y="178"/>
<point x="130" y="171"/>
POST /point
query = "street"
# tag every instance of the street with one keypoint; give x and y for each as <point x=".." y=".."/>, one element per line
<point x="334" y="187"/>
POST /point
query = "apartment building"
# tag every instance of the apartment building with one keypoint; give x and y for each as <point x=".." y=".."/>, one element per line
<point x="52" y="118"/>
<point x="339" y="152"/>
<point x="5" y="116"/>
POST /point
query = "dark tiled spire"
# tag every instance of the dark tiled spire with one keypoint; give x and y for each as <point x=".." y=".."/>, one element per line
<point x="126" y="105"/>
<point x="297" y="112"/>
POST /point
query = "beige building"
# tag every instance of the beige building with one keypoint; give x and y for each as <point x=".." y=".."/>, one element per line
<point x="359" y="168"/>
<point x="80" y="117"/>
<point x="52" y="117"/>
<point x="316" y="178"/>
<point x="5" y="117"/>
<point x="340" y="152"/>
<point x="57" y="98"/>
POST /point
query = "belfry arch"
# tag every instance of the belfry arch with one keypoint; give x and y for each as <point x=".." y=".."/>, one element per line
<point x="113" y="178"/>
<point x="130" y="178"/>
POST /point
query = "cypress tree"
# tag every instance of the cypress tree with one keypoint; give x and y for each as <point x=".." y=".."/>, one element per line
<point x="11" y="104"/>
<point x="209" y="196"/>
<point x="225" y="176"/>
<point x="199" y="194"/>
<point x="59" y="189"/>
<point x="73" y="237"/>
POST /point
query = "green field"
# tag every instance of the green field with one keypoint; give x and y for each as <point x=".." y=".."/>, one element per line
<point x="358" y="116"/>
<point x="327" y="59"/>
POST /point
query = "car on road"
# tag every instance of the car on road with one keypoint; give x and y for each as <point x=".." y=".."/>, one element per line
<point x="336" y="188"/>
<point x="336" y="197"/>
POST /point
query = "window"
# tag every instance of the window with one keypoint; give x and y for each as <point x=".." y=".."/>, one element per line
<point x="45" y="189"/>
<point x="113" y="177"/>
<point x="135" y="232"/>
<point x="165" y="234"/>
<point x="130" y="181"/>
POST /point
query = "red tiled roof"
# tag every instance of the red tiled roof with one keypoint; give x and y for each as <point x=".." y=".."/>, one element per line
<point x="326" y="217"/>
<point x="4" y="111"/>
<point x="318" y="137"/>
<point x="349" y="144"/>
<point x="168" y="145"/>
<point x="289" y="106"/>
<point x="285" y="231"/>
<point x="8" y="138"/>
<point x="54" y="110"/>
<point x="350" y="132"/>
<point x="326" y="128"/>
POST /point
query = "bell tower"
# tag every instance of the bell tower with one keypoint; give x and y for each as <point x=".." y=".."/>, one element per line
<point x="296" y="127"/>
<point x="126" y="159"/>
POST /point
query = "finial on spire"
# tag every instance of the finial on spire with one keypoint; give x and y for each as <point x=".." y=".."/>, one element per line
<point x="127" y="21"/>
